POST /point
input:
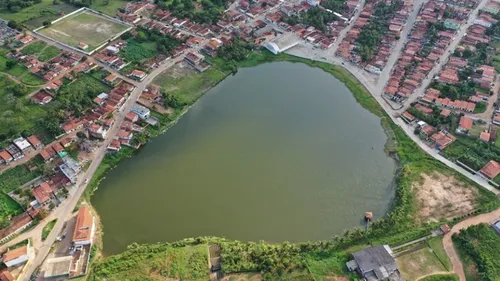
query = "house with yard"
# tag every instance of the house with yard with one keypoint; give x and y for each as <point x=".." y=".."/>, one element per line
<point x="43" y="194"/>
<point x="464" y="125"/>
<point x="491" y="169"/>
<point x="17" y="256"/>
<point x="41" y="98"/>
<point x="375" y="264"/>
<point x="84" y="227"/>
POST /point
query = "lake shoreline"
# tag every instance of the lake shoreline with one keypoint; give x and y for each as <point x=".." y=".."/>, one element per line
<point x="254" y="60"/>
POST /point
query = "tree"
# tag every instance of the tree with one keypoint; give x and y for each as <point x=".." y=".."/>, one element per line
<point x="55" y="2"/>
<point x="10" y="63"/>
<point x="43" y="213"/>
<point x="47" y="23"/>
<point x="13" y="24"/>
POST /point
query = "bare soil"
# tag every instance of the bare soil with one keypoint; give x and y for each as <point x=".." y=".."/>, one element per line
<point x="441" y="196"/>
<point x="419" y="263"/>
<point x="243" y="277"/>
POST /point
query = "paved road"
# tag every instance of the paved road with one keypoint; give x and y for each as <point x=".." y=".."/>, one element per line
<point x="458" y="268"/>
<point x="376" y="89"/>
<point x="419" y="92"/>
<point x="63" y="212"/>
<point x="396" y="51"/>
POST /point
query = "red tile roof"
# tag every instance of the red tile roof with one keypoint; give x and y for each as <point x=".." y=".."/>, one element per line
<point x="491" y="169"/>
<point x="465" y="123"/>
<point x="84" y="224"/>
<point x="14" y="254"/>
<point x="42" y="192"/>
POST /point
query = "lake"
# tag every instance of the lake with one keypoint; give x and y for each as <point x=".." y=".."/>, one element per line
<point x="277" y="152"/>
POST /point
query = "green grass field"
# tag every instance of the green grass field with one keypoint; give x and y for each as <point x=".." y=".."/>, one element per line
<point x="436" y="244"/>
<point x="49" y="53"/>
<point x="191" y="86"/>
<point x="30" y="79"/>
<point x="34" y="48"/>
<point x="85" y="27"/>
<point x="419" y="263"/>
<point x="33" y="16"/>
<point x="16" y="112"/>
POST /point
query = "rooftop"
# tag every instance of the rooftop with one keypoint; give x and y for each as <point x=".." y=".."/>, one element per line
<point x="57" y="266"/>
<point x="14" y="254"/>
<point x="84" y="224"/>
<point x="491" y="169"/>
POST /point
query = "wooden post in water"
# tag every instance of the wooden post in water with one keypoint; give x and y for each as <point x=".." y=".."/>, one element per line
<point x="368" y="218"/>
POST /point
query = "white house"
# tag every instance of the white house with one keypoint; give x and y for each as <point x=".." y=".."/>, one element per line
<point x="140" y="110"/>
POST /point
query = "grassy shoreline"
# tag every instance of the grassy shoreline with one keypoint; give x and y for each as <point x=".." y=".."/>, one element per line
<point x="398" y="226"/>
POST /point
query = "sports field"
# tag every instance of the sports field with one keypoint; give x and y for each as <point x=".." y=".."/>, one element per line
<point x="87" y="27"/>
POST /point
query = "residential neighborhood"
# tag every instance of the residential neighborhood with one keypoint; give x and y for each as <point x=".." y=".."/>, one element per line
<point x="75" y="106"/>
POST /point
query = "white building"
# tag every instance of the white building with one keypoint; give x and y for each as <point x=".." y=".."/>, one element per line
<point x="282" y="43"/>
<point x="22" y="144"/>
<point x="313" y="2"/>
<point x="140" y="110"/>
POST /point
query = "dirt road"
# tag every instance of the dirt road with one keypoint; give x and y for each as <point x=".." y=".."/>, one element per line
<point x="458" y="268"/>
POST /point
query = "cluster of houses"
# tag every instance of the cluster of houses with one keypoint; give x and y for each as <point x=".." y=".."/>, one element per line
<point x="129" y="127"/>
<point x="348" y="47"/>
<point x="15" y="260"/>
<point x="432" y="97"/>
<point x="6" y="33"/>
<point x="48" y="71"/>
<point x="107" y="104"/>
<point x="438" y="139"/>
<point x="421" y="53"/>
<point x="108" y="55"/>
<point x="19" y="148"/>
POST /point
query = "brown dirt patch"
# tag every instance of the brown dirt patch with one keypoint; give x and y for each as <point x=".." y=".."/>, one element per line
<point x="442" y="196"/>
<point x="335" y="278"/>
<point x="243" y="277"/>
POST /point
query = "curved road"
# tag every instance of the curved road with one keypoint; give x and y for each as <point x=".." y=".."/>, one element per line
<point x="458" y="268"/>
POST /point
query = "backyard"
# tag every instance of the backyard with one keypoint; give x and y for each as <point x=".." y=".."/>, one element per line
<point x="16" y="113"/>
<point x="418" y="263"/>
<point x="87" y="27"/>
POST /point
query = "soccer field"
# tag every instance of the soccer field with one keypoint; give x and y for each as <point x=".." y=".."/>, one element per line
<point x="87" y="27"/>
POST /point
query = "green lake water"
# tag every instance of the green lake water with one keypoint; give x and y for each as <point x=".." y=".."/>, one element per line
<point x="277" y="152"/>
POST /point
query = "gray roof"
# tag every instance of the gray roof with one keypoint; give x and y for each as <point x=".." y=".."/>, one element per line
<point x="377" y="262"/>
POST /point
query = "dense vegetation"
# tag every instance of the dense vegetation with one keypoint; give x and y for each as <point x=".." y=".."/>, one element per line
<point x="481" y="244"/>
<point x="16" y="5"/>
<point x="472" y="152"/>
<point x="315" y="16"/>
<point x="208" y="11"/>
<point x="372" y="33"/>
<point x="155" y="262"/>
<point x="147" y="43"/>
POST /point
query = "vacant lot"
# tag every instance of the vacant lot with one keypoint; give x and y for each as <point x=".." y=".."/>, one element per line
<point x="419" y="263"/>
<point x="441" y="196"/>
<point x="16" y="113"/>
<point x="49" y="53"/>
<point x="187" y="84"/>
<point x="86" y="27"/>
